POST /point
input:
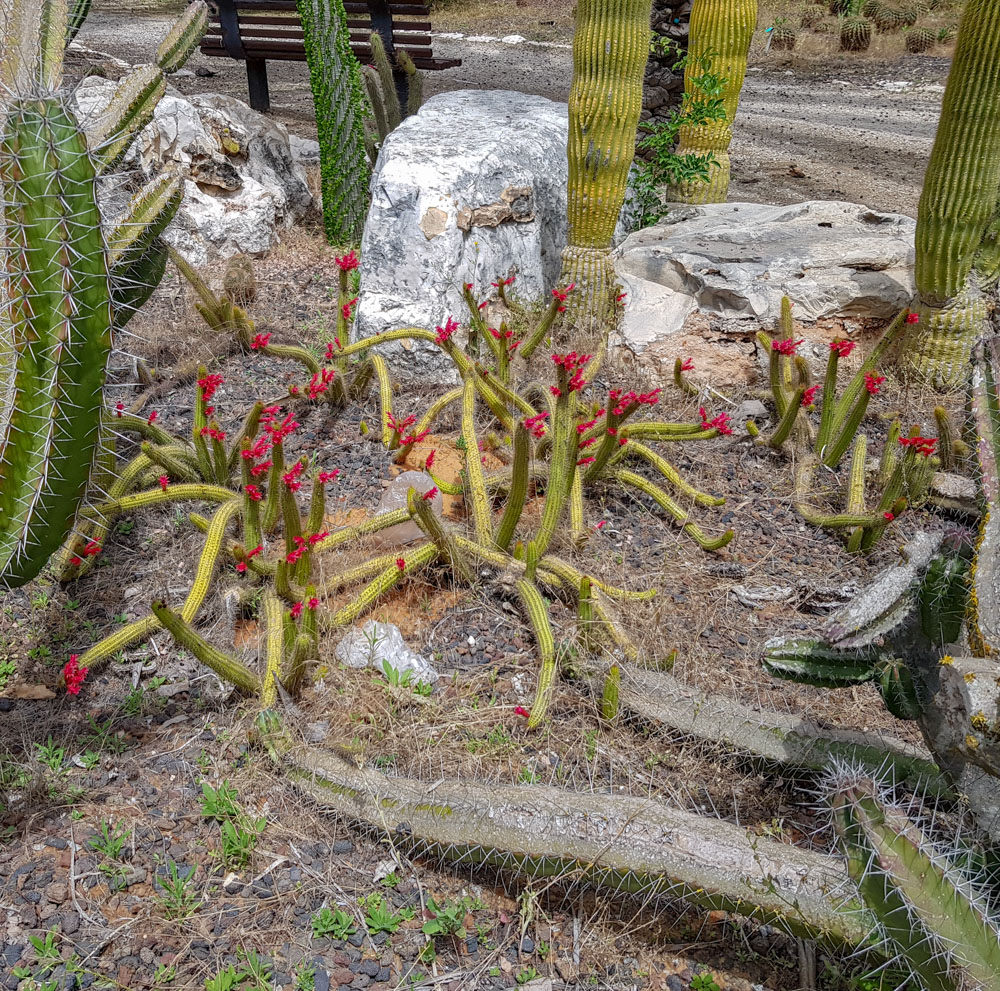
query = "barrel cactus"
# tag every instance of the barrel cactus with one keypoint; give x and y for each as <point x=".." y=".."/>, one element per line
<point x="920" y="39"/>
<point x="70" y="281"/>
<point x="855" y="34"/>
<point x="783" y="37"/>
<point x="886" y="17"/>
<point x="957" y="244"/>
<point x="720" y="30"/>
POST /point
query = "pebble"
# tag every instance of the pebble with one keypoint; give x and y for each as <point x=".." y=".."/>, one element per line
<point x="369" y="967"/>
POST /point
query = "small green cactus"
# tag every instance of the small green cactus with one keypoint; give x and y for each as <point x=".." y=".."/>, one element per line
<point x="920" y="39"/>
<point x="783" y="37"/>
<point x="855" y="34"/>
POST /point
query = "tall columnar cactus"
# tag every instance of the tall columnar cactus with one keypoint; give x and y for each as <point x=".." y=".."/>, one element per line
<point x="610" y="48"/>
<point x="69" y="283"/>
<point x="958" y="226"/>
<point x="720" y="30"/>
<point x="339" y="98"/>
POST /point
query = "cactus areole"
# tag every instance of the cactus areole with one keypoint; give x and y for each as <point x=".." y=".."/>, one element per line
<point x="958" y="230"/>
<point x="58" y="311"/>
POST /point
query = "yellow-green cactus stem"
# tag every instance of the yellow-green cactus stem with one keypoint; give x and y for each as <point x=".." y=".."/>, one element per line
<point x="518" y="492"/>
<point x="274" y="651"/>
<point x="890" y="454"/>
<point x="584" y="614"/>
<point x="721" y="31"/>
<point x="610" y="48"/>
<point x="538" y="615"/>
<point x="856" y="488"/>
<point x="171" y="459"/>
<point x="437" y="408"/>
<point x="183" y="38"/>
<point x="130" y="110"/>
<point x="272" y="507"/>
<point x="957" y="251"/>
<point x="228" y="668"/>
<point x="474" y="481"/>
<point x="950" y="447"/>
<point x="426" y="519"/>
<point x="59" y="311"/>
<point x="609" y="696"/>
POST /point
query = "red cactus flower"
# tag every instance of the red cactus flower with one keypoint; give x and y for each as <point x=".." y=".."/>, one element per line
<point x="119" y="408"/>
<point x="843" y="348"/>
<point x="586" y="461"/>
<point x="76" y="561"/>
<point x="255" y="551"/>
<point x="253" y="492"/>
<point x="809" y="395"/>
<point x="401" y="563"/>
<point x="241" y="567"/>
<point x="872" y="383"/>
<point x="913" y="318"/>
<point x="315" y="538"/>
<point x="312" y="603"/>
<point x="889" y="516"/>
<point x="164" y="482"/>
<point x="429" y="494"/>
<point x="260" y="341"/>
<point x="429" y="462"/>
<point x="209" y="385"/>
<point x="445" y="332"/>
<point x="621" y="297"/>
<point x="92" y="548"/>
<point x="922" y="445"/>
<point x="73" y="675"/>
<point x="787" y="347"/>
<point x="349" y="261"/>
<point x="347" y="308"/>
<point x="504" y="282"/>
<point x="296" y="610"/>
<point x="328" y="476"/>
<point x="519" y="710"/>
<point x="262" y="468"/>
<point x="153" y="417"/>
<point x="687" y="365"/>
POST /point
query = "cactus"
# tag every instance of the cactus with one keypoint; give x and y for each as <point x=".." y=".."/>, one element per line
<point x="183" y="38"/>
<point x="380" y="87"/>
<point x="855" y="34"/>
<point x="783" y="38"/>
<point x="919" y="40"/>
<point x="610" y="47"/>
<point x="957" y="257"/>
<point x="813" y="662"/>
<point x="77" y="14"/>
<point x="609" y="695"/>
<point x="339" y="98"/>
<point x="59" y="291"/>
<point x="721" y="30"/>
<point x="886" y="18"/>
<point x="928" y="911"/>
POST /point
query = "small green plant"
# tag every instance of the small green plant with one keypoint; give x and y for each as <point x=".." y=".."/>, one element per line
<point x="305" y="977"/>
<point x="90" y="759"/>
<point x="219" y="803"/>
<point x="527" y="777"/>
<point x="51" y="755"/>
<point x="333" y="922"/>
<point x="527" y="975"/>
<point x="702" y="104"/>
<point x="110" y="841"/>
<point x="7" y="671"/>
<point x="379" y="916"/>
<point x="704" y="982"/>
<point x="165" y="974"/>
<point x="447" y="919"/>
<point x="177" y="897"/>
<point x="391" y="880"/>
<point x="47" y="956"/>
<point x="224" y="980"/>
<point x="239" y="839"/>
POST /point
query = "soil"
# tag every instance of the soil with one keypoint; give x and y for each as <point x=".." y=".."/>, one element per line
<point x="131" y="756"/>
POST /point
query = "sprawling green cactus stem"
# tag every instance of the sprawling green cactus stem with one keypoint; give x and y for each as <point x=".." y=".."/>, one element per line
<point x="339" y="98"/>
<point x="924" y="905"/>
<point x="613" y="842"/>
<point x="274" y="653"/>
<point x="958" y="249"/>
<point x="183" y="38"/>
<point x="383" y="68"/>
<point x="538" y="614"/>
<point x="474" y="481"/>
<point x="984" y="594"/>
<point x="59" y="310"/>
<point x="228" y="668"/>
<point x="426" y="519"/>
<point x="609" y="694"/>
<point x="518" y="492"/>
<point x="610" y="47"/>
<point x="720" y="32"/>
<point x="130" y="110"/>
<point x="814" y="662"/>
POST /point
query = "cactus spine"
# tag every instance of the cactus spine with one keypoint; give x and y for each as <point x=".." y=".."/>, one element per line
<point x="958" y="254"/>
<point x="337" y="93"/>
<point x="610" y="47"/>
<point x="720" y="29"/>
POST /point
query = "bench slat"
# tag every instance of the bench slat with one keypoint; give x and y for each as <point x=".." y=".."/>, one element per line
<point x="294" y="33"/>
<point x="354" y="24"/>
<point x="405" y="7"/>
<point x="290" y="52"/>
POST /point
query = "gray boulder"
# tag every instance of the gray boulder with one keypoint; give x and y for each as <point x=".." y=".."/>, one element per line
<point x="736" y="261"/>
<point x="242" y="181"/>
<point x="471" y="188"/>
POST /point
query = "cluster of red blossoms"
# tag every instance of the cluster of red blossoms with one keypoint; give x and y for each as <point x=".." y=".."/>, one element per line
<point x="573" y="364"/>
<point x="922" y="445"/>
<point x="505" y="335"/>
<point x="73" y="675"/>
<point x="329" y="348"/>
<point x="241" y="566"/>
<point x="260" y="341"/>
<point x="291" y="477"/>
<point x="208" y="385"/>
<point x="92" y="549"/>
<point x="535" y="425"/>
<point x="687" y="365"/>
<point x="346" y="309"/>
<point x="720" y="423"/>
<point x="872" y="383"/>
<point x="445" y="332"/>
<point x="296" y="610"/>
<point x="348" y="263"/>
<point x="504" y="282"/>
<point x="152" y="417"/>
<point x="561" y="294"/>
<point x="214" y="432"/>
<point x="619" y="401"/>
<point x="843" y="348"/>
<point x="787" y="347"/>
<point x="320" y="382"/>
<point x="809" y="395"/>
<point x="302" y="544"/>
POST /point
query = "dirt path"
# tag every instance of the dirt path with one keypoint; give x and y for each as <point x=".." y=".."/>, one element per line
<point x="857" y="129"/>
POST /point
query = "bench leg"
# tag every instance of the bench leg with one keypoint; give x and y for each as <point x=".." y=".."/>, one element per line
<point x="257" y="84"/>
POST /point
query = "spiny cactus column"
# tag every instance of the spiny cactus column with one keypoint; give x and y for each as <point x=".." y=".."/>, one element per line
<point x="339" y="98"/>
<point x="58" y="288"/>
<point x="720" y="29"/>
<point x="958" y="226"/>
<point x="610" y="48"/>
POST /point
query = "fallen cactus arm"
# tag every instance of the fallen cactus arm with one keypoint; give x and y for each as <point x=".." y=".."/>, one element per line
<point x="617" y="843"/>
<point x="926" y="909"/>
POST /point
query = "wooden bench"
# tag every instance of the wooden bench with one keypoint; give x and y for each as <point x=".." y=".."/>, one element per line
<point x="257" y="30"/>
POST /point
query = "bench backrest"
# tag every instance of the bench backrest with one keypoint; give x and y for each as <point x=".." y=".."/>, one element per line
<point x="270" y="29"/>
